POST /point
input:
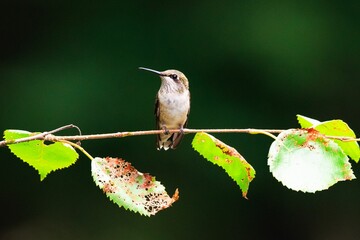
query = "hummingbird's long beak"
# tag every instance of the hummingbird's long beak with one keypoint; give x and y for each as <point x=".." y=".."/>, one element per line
<point x="151" y="70"/>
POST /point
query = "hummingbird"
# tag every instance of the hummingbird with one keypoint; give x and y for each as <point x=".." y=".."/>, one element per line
<point x="172" y="106"/>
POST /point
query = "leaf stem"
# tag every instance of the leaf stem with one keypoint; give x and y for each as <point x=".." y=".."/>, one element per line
<point x="78" y="147"/>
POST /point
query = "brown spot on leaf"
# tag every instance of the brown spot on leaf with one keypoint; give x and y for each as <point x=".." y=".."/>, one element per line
<point x="312" y="136"/>
<point x="147" y="181"/>
<point x="227" y="149"/>
<point x="227" y="160"/>
<point x="108" y="188"/>
<point x="248" y="171"/>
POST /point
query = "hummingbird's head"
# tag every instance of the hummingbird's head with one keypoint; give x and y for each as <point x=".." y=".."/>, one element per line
<point x="171" y="80"/>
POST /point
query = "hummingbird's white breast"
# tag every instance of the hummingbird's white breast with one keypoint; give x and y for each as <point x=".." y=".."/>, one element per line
<point x="174" y="108"/>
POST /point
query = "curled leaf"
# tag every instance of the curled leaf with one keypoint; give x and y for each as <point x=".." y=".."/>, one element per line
<point x="306" y="122"/>
<point x="305" y="160"/>
<point x="226" y="157"/>
<point x="44" y="158"/>
<point x="129" y="188"/>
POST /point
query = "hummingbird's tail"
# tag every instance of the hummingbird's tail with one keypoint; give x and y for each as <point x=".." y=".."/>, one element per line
<point x="167" y="141"/>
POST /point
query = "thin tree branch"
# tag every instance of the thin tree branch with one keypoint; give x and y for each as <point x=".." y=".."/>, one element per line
<point x="40" y="136"/>
<point x="344" y="139"/>
<point x="49" y="136"/>
<point x="154" y="132"/>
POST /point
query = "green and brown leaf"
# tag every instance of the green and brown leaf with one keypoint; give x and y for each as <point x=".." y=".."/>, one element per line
<point x="226" y="157"/>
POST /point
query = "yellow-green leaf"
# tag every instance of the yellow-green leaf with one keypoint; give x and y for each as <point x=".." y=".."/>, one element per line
<point x="44" y="158"/>
<point x="334" y="128"/>
<point x="340" y="128"/>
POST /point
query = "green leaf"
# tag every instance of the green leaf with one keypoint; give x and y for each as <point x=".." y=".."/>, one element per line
<point x="226" y="157"/>
<point x="304" y="160"/>
<point x="340" y="128"/>
<point x="334" y="128"/>
<point x="44" y="158"/>
<point x="306" y="122"/>
<point x="128" y="188"/>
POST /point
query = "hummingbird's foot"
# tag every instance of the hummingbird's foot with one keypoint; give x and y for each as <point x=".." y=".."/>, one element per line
<point x="181" y="130"/>
<point x="167" y="132"/>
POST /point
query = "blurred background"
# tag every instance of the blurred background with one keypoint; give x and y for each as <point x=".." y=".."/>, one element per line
<point x="250" y="65"/>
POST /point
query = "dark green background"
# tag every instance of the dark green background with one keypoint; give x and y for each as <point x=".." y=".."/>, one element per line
<point x="250" y="64"/>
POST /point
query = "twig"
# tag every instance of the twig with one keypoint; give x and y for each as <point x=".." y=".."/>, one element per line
<point x="344" y="139"/>
<point x="40" y="136"/>
<point x="154" y="132"/>
<point x="48" y="136"/>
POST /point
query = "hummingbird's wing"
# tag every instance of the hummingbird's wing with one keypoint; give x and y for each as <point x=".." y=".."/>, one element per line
<point x="165" y="141"/>
<point x="157" y="114"/>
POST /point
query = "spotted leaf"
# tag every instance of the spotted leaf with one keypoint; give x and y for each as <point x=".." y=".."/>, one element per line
<point x="129" y="188"/>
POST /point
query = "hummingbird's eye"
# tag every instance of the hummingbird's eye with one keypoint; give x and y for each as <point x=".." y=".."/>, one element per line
<point x="173" y="76"/>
